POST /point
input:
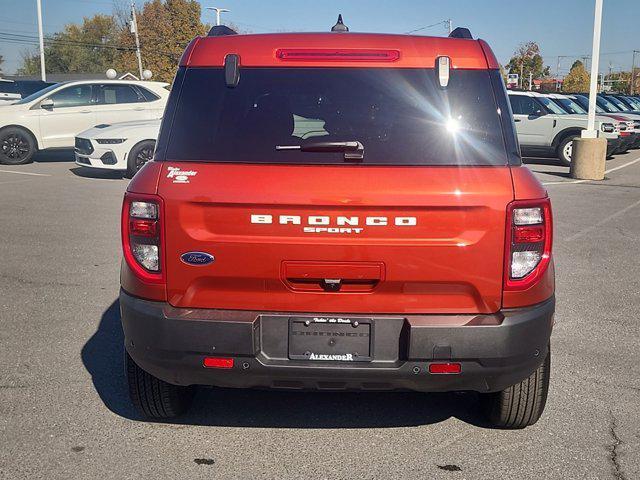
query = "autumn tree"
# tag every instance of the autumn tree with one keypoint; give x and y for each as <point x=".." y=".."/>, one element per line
<point x="577" y="80"/>
<point x="105" y="41"/>
<point x="165" y="28"/>
<point x="527" y="59"/>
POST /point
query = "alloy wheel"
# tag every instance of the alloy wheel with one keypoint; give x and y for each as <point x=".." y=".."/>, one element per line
<point x="15" y="146"/>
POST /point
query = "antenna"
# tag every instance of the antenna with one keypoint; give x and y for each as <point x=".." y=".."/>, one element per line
<point x="339" y="26"/>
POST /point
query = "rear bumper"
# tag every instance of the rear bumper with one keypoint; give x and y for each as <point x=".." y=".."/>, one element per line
<point x="495" y="351"/>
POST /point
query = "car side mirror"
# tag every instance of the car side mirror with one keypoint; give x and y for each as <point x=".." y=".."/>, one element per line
<point x="540" y="113"/>
<point x="47" y="104"/>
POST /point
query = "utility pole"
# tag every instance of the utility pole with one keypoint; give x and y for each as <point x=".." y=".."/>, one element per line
<point x="218" y="12"/>
<point x="521" y="70"/>
<point x="450" y="24"/>
<point x="134" y="30"/>
<point x="530" y="80"/>
<point x="558" y="74"/>
<point x="43" y="72"/>
<point x="633" y="68"/>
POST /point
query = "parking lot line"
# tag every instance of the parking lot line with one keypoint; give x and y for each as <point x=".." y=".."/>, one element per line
<point x="602" y="222"/>
<point x="25" y="173"/>
<point x="624" y="165"/>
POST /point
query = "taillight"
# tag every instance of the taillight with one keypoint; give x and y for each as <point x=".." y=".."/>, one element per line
<point x="528" y="243"/>
<point x="142" y="236"/>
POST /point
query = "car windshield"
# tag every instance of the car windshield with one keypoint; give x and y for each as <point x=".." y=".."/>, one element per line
<point x="634" y="102"/>
<point x="618" y="103"/>
<point x="551" y="106"/>
<point x="607" y="105"/>
<point x="570" y="106"/>
<point x="583" y="101"/>
<point x="280" y="115"/>
<point x="36" y="95"/>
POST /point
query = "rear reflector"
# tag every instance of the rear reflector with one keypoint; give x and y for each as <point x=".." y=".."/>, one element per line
<point x="217" y="362"/>
<point x="445" y="368"/>
<point x="337" y="55"/>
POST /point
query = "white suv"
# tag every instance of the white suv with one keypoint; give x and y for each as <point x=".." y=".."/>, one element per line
<point x="51" y="118"/>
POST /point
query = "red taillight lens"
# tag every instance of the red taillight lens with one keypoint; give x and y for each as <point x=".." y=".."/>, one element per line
<point x="337" y="55"/>
<point x="142" y="236"/>
<point x="144" y="228"/>
<point x="217" y="362"/>
<point x="445" y="368"/>
<point x="528" y="243"/>
<point x="528" y="234"/>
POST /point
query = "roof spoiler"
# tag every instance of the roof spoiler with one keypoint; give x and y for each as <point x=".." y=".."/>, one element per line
<point x="221" y="31"/>
<point x="461" y="32"/>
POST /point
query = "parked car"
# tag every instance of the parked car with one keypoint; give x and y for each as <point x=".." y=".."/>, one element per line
<point x="304" y="226"/>
<point x="122" y="146"/>
<point x="8" y="92"/>
<point x="51" y="118"/>
<point x="624" y="127"/>
<point x="606" y="108"/>
<point x="546" y="130"/>
<point x="12" y="91"/>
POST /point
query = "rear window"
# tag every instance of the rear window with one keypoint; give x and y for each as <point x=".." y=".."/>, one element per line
<point x="400" y="116"/>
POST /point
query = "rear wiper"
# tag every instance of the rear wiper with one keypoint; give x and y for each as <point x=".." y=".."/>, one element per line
<point x="353" y="151"/>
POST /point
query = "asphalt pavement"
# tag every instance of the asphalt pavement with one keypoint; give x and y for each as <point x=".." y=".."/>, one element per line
<point x="64" y="410"/>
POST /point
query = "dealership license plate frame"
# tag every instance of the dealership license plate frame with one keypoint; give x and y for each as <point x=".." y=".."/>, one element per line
<point x="300" y="347"/>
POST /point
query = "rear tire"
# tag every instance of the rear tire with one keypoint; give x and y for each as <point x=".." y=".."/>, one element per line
<point x="522" y="404"/>
<point x="565" y="149"/>
<point x="140" y="154"/>
<point x="153" y="397"/>
<point x="17" y="146"/>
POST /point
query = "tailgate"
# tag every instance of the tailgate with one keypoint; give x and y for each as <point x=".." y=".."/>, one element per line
<point x="336" y="238"/>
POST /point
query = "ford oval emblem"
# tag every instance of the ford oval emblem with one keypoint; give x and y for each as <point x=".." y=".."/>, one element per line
<point x="197" y="258"/>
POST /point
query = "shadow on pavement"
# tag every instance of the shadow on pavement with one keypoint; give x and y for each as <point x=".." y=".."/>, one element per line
<point x="102" y="356"/>
<point x="97" y="173"/>
<point x="54" y="155"/>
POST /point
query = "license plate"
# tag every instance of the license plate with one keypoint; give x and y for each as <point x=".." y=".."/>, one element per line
<point x="330" y="339"/>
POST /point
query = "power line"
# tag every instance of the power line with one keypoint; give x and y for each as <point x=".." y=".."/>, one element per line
<point x="442" y="22"/>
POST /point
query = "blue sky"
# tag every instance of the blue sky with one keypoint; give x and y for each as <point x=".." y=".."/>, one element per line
<point x="561" y="27"/>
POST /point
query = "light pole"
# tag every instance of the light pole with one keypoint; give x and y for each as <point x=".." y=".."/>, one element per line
<point x="591" y="132"/>
<point x="589" y="152"/>
<point x="218" y="12"/>
<point x="43" y="73"/>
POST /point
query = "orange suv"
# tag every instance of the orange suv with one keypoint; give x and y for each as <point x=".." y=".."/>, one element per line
<point x="338" y="211"/>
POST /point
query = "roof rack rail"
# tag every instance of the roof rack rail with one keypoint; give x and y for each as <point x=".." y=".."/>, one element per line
<point x="461" y="32"/>
<point x="220" y="31"/>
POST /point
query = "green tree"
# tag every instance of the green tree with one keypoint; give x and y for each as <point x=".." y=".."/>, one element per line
<point x="165" y="28"/>
<point x="577" y="80"/>
<point x="527" y="59"/>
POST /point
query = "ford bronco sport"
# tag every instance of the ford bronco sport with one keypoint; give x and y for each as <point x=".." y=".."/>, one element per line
<point x="338" y="211"/>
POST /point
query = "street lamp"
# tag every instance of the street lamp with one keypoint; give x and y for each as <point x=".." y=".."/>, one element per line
<point x="218" y="12"/>
<point x="43" y="73"/>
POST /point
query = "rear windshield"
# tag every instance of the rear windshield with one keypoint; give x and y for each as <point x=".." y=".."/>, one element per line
<point x="400" y="116"/>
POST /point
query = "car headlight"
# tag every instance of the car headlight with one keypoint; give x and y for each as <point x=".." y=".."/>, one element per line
<point x="607" y="128"/>
<point x="110" y="141"/>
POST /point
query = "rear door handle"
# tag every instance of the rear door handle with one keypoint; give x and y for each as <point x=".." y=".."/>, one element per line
<point x="138" y="109"/>
<point x="85" y="111"/>
<point x="516" y="120"/>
